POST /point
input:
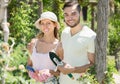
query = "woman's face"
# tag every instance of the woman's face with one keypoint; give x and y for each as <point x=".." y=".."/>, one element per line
<point x="47" y="26"/>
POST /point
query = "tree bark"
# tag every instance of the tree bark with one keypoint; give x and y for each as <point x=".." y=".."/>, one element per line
<point x="40" y="10"/>
<point x="101" y="40"/>
<point x="55" y="7"/>
<point x="3" y="19"/>
<point x="117" y="62"/>
<point x="117" y="58"/>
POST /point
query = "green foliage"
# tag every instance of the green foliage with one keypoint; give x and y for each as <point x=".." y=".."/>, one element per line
<point x="108" y="78"/>
<point x="117" y="1"/>
<point x="114" y="31"/>
<point x="19" y="60"/>
<point x="89" y="77"/>
<point x="12" y="65"/>
<point x="110" y="70"/>
<point x="83" y="2"/>
<point x="114" y="40"/>
<point x="22" y="18"/>
<point x="19" y="55"/>
<point x="111" y="64"/>
<point x="48" y="5"/>
<point x="90" y="74"/>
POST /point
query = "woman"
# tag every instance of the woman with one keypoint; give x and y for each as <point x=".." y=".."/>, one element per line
<point x="45" y="42"/>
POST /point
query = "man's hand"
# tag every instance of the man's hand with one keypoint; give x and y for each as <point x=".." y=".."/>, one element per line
<point x="66" y="69"/>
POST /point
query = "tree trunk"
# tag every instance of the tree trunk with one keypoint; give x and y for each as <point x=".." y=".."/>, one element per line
<point x="3" y="19"/>
<point x="101" y="40"/>
<point x="117" y="62"/>
<point x="117" y="58"/>
<point x="56" y="8"/>
<point x="40" y="10"/>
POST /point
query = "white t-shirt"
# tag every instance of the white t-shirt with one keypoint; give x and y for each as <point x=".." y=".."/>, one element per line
<point x="75" y="50"/>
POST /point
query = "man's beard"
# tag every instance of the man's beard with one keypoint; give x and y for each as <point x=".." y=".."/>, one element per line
<point x="72" y="26"/>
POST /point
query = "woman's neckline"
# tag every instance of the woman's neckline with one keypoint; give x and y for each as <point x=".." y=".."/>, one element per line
<point x="44" y="43"/>
<point x="52" y="42"/>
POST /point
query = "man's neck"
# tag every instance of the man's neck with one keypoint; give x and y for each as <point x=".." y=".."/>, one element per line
<point x="76" y="29"/>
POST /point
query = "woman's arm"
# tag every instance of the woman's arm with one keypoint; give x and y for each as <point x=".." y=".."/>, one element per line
<point x="29" y="62"/>
<point x="59" y="51"/>
<point x="30" y="45"/>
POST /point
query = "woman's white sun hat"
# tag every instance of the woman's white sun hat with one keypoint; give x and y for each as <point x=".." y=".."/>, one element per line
<point x="47" y="15"/>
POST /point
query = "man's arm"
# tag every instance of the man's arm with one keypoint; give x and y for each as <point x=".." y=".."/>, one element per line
<point x="66" y="69"/>
<point x="84" y="68"/>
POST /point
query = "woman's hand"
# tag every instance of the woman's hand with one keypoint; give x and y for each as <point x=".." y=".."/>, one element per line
<point x="44" y="74"/>
<point x="33" y="75"/>
<point x="41" y="75"/>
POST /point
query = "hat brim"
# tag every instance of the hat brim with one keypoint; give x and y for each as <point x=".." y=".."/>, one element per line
<point x="37" y="23"/>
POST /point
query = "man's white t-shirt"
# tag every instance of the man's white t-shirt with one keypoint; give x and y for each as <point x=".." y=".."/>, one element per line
<point x="75" y="50"/>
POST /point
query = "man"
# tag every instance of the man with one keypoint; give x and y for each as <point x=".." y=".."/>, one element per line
<point x="78" y="45"/>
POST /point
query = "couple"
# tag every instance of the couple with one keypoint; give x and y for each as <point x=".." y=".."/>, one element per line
<point x="76" y="48"/>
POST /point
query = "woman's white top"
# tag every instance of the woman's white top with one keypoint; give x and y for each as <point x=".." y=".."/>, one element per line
<point x="41" y="60"/>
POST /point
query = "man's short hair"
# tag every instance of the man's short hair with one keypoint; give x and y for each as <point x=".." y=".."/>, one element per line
<point x="71" y="3"/>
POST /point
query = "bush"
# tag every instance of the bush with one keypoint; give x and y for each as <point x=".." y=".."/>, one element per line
<point x="12" y="65"/>
<point x="22" y="18"/>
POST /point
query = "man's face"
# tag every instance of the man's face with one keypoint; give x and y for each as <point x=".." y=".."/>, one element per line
<point x="72" y="16"/>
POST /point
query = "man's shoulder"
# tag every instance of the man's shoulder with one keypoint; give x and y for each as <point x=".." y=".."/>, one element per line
<point x="88" y="32"/>
<point x="66" y="30"/>
<point x="65" y="33"/>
